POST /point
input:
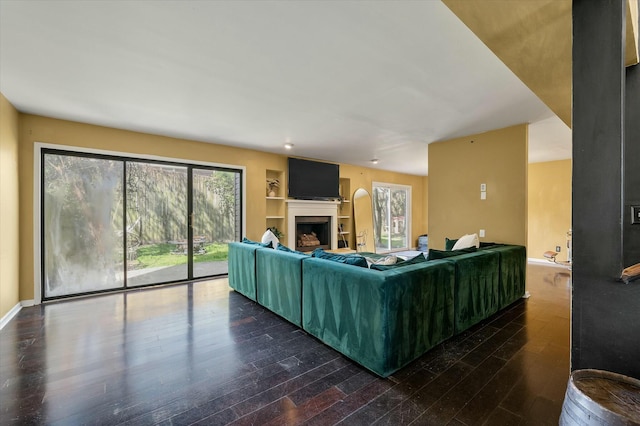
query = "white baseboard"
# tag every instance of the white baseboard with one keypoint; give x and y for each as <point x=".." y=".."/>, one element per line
<point x="13" y="312"/>
<point x="9" y="315"/>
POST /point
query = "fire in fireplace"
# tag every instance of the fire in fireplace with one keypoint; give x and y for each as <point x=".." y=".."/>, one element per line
<point x="313" y="232"/>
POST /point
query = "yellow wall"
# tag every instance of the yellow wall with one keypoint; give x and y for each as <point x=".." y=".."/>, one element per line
<point x="549" y="207"/>
<point x="48" y="130"/>
<point x="362" y="177"/>
<point x="9" y="263"/>
<point x="457" y="168"/>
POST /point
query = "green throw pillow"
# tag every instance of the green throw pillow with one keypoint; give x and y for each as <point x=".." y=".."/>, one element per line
<point x="353" y="259"/>
<point x="448" y="244"/>
<point x="418" y="259"/>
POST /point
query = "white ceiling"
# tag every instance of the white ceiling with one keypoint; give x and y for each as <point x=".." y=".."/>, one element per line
<point x="344" y="81"/>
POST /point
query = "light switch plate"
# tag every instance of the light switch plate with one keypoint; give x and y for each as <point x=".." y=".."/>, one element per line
<point x="483" y="187"/>
<point x="483" y="195"/>
<point x="482" y="233"/>
<point x="635" y="215"/>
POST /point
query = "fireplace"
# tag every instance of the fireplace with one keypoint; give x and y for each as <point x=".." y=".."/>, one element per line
<point x="299" y="211"/>
<point x="313" y="232"/>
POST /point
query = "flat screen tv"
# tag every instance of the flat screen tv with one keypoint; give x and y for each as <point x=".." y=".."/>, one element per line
<point x="313" y="180"/>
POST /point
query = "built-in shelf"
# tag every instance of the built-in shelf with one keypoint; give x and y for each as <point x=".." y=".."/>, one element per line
<point x="344" y="213"/>
<point x="275" y="208"/>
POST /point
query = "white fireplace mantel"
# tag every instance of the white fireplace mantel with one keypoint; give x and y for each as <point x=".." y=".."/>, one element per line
<point x="311" y="208"/>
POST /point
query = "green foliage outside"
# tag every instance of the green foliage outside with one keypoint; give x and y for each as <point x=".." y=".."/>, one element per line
<point x="161" y="255"/>
<point x="389" y="203"/>
<point x="397" y="241"/>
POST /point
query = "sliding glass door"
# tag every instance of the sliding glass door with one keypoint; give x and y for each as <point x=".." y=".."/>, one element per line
<point x="391" y="216"/>
<point x="112" y="223"/>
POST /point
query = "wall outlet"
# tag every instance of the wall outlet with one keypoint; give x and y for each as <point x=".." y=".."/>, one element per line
<point x="635" y="215"/>
<point x="558" y="249"/>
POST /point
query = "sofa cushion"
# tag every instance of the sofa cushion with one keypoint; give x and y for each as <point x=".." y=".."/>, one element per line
<point x="442" y="254"/>
<point x="279" y="282"/>
<point x="489" y="244"/>
<point x="282" y="247"/>
<point x="242" y="267"/>
<point x="468" y="240"/>
<point x="352" y="259"/>
<point x="256" y="243"/>
<point x="417" y="259"/>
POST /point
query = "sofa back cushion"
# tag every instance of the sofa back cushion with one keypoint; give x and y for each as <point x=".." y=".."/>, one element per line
<point x="350" y="259"/>
<point x="256" y="243"/>
<point x="442" y="254"/>
<point x="288" y="250"/>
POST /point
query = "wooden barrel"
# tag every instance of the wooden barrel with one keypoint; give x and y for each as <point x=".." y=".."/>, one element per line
<point x="596" y="397"/>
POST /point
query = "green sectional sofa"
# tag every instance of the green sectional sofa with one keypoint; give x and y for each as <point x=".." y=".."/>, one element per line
<point x="381" y="319"/>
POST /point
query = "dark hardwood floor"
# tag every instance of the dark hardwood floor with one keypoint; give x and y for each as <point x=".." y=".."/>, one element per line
<point x="203" y="354"/>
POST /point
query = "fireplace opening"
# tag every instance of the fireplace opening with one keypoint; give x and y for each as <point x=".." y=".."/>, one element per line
<point x="313" y="232"/>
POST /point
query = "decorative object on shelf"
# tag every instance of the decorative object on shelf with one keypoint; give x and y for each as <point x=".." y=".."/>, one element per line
<point x="273" y="184"/>
<point x="276" y="232"/>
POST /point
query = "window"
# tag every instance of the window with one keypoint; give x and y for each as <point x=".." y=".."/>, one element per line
<point x="391" y="216"/>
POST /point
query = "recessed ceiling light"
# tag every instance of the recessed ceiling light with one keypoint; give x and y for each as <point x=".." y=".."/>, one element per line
<point x="288" y="145"/>
<point x="374" y="161"/>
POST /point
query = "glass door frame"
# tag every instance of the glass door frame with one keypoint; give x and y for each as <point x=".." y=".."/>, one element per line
<point x="40" y="149"/>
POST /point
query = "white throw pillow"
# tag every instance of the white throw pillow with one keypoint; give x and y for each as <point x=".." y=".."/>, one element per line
<point x="468" y="240"/>
<point x="270" y="236"/>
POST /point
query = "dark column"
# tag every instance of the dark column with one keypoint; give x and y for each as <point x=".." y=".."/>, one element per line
<point x="631" y="237"/>
<point x="605" y="312"/>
